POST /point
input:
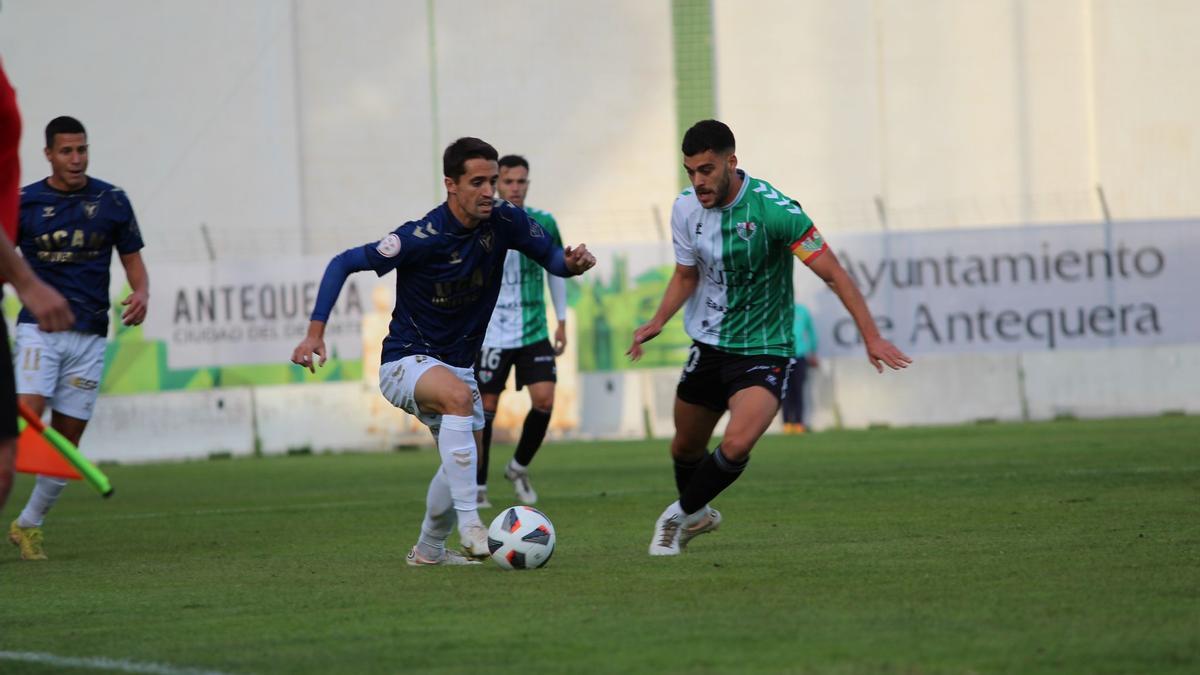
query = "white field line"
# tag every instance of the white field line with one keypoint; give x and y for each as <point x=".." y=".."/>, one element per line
<point x="101" y="663"/>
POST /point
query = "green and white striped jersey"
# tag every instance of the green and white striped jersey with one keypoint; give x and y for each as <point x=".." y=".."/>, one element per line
<point x="520" y="315"/>
<point x="743" y="253"/>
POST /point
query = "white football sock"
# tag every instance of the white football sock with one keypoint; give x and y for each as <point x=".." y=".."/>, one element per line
<point x="45" y="493"/>
<point x="439" y="518"/>
<point x="456" y="444"/>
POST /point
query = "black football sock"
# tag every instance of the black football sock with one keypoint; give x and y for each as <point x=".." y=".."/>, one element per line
<point x="715" y="473"/>
<point x="532" y="435"/>
<point x="684" y="470"/>
<point x="481" y="466"/>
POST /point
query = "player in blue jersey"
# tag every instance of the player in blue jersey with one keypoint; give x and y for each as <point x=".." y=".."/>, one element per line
<point x="69" y="225"/>
<point x="449" y="267"/>
<point x="47" y="304"/>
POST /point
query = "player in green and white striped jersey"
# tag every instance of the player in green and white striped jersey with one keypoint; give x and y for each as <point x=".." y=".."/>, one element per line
<point x="735" y="236"/>
<point x="517" y="335"/>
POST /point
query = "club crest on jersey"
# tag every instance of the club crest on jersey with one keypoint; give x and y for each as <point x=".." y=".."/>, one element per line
<point x="535" y="230"/>
<point x="485" y="240"/>
<point x="747" y="230"/>
<point x="485" y="376"/>
<point x="389" y="246"/>
<point x="90" y="209"/>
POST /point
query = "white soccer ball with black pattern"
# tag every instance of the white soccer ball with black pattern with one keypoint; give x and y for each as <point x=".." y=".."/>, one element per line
<point x="521" y="538"/>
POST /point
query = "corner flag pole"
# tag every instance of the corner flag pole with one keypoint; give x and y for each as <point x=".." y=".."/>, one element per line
<point x="67" y="449"/>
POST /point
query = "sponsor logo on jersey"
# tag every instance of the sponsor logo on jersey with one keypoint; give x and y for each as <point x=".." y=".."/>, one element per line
<point x="455" y="258"/>
<point x="47" y="211"/>
<point x="747" y="230"/>
<point x="90" y="209"/>
<point x="389" y="246"/>
<point x="84" y="384"/>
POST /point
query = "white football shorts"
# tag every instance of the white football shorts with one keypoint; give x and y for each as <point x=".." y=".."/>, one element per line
<point x="64" y="367"/>
<point x="398" y="382"/>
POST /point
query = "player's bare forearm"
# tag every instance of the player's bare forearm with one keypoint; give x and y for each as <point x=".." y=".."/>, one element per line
<point x="313" y="343"/>
<point x="880" y="352"/>
<point x="48" y="306"/>
<point x="681" y="286"/>
<point x="852" y="299"/>
<point x="135" y="272"/>
<point x="137" y="304"/>
<point x="12" y="266"/>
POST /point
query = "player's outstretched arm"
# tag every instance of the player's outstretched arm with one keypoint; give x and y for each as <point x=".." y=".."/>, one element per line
<point x="879" y="350"/>
<point x="681" y="286"/>
<point x="47" y="305"/>
<point x="312" y="344"/>
<point x="336" y="272"/>
<point x="138" y="301"/>
<point x="578" y="259"/>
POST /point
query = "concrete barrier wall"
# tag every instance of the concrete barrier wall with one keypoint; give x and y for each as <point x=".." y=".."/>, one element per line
<point x="842" y="392"/>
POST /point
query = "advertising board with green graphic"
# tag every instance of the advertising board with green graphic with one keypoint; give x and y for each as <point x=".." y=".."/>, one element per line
<point x="621" y="293"/>
<point x="229" y="324"/>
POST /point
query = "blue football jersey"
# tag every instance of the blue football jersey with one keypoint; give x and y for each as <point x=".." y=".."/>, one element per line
<point x="68" y="239"/>
<point x="448" y="278"/>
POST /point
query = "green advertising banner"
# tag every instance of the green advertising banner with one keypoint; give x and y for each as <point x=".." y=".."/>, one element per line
<point x="621" y="293"/>
<point x="241" y="337"/>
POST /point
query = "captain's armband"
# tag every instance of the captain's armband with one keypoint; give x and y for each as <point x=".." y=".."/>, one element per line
<point x="809" y="246"/>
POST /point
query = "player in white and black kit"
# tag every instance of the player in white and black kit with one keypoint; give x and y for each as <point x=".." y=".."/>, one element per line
<point x="448" y="266"/>
<point x="517" y="335"/>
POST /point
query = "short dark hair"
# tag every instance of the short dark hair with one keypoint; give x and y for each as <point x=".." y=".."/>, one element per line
<point x="708" y="135"/>
<point x="63" y="125"/>
<point x="454" y="159"/>
<point x="512" y="161"/>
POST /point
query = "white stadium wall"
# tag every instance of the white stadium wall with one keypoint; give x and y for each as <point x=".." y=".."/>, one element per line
<point x="280" y="129"/>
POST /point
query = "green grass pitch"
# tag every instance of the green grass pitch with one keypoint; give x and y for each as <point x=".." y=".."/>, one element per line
<point x="1069" y="547"/>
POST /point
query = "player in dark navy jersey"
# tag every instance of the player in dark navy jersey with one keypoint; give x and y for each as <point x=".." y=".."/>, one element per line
<point x="449" y="267"/>
<point x="44" y="302"/>
<point x="69" y="225"/>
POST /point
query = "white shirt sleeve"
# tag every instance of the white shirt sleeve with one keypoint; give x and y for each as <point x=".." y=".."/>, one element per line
<point x="681" y="234"/>
<point x="558" y="295"/>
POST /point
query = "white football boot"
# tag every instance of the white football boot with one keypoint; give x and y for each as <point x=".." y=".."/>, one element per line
<point x="475" y="541"/>
<point x="520" y="481"/>
<point x="707" y="520"/>
<point x="667" y="532"/>
<point x="451" y="558"/>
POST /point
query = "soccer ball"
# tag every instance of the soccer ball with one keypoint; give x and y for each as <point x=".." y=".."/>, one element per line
<point x="521" y="538"/>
